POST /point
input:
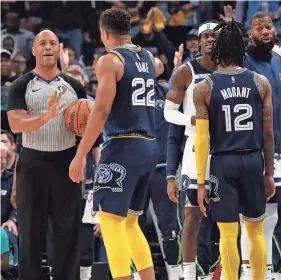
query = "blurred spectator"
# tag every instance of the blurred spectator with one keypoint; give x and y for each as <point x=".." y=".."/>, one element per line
<point x="164" y="48"/>
<point x="9" y="43"/>
<point x="23" y="38"/>
<point x="69" y="19"/>
<point x="7" y="77"/>
<point x="8" y="213"/>
<point x="271" y="7"/>
<point x="36" y="12"/>
<point x="94" y="85"/>
<point x="8" y="139"/>
<point x="180" y="12"/>
<point x="9" y="231"/>
<point x="191" y="44"/>
<point x="19" y="64"/>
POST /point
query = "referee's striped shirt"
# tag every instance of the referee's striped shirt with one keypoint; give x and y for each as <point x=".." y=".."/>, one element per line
<point x="31" y="92"/>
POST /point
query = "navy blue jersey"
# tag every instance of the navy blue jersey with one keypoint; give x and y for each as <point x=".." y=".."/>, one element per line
<point x="161" y="125"/>
<point x="235" y="112"/>
<point x="133" y="109"/>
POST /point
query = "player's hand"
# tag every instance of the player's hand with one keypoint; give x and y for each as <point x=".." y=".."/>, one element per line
<point x="202" y="196"/>
<point x="173" y="191"/>
<point x="178" y="57"/>
<point x="64" y="57"/>
<point x="12" y="227"/>
<point x="53" y="106"/>
<point x="269" y="186"/>
<point x="228" y="13"/>
<point x="76" y="169"/>
<point x="97" y="230"/>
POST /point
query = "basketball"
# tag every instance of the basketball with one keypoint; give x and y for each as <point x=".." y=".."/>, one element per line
<point x="76" y="116"/>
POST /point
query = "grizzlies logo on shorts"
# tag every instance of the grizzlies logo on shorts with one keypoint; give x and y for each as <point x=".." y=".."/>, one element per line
<point x="110" y="176"/>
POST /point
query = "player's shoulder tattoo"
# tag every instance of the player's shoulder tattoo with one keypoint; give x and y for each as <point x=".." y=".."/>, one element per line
<point x="201" y="94"/>
<point x="261" y="84"/>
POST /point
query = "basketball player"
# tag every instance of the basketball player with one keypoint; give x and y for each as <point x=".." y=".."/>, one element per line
<point x="182" y="85"/>
<point x="125" y="105"/>
<point x="35" y="104"/>
<point x="260" y="59"/>
<point x="234" y="107"/>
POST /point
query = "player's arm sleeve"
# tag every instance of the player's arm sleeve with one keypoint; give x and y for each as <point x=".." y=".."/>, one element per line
<point x="77" y="86"/>
<point x="175" y="138"/>
<point x="16" y="97"/>
<point x="201" y="90"/>
<point x="201" y="149"/>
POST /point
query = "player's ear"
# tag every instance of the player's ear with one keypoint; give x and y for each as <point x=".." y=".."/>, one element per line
<point x="33" y="51"/>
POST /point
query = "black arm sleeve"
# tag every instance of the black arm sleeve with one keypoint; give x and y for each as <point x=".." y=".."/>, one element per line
<point x="77" y="86"/>
<point x="16" y="97"/>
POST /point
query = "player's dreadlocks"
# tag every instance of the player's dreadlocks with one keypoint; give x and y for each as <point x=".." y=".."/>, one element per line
<point x="229" y="47"/>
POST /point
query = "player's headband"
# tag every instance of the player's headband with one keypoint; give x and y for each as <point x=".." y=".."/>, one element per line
<point x="206" y="26"/>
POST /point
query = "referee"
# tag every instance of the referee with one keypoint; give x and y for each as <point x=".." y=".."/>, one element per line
<point x="35" y="104"/>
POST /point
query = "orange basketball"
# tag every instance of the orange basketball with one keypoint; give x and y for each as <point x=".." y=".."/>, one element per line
<point x="76" y="116"/>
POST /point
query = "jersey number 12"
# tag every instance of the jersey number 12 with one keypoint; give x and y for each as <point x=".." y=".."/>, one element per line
<point x="144" y="94"/>
<point x="242" y="117"/>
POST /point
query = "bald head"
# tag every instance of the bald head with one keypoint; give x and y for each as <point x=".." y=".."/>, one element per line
<point x="43" y="34"/>
<point x="46" y="48"/>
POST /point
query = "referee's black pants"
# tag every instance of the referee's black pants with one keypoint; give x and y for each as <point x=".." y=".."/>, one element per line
<point x="45" y="189"/>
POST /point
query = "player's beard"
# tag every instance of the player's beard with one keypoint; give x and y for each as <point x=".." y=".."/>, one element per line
<point x="264" y="47"/>
<point x="260" y="50"/>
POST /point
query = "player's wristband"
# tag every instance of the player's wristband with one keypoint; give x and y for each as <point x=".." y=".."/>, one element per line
<point x="171" y="177"/>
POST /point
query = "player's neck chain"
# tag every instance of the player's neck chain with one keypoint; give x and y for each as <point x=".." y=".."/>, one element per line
<point x="129" y="47"/>
<point x="231" y="72"/>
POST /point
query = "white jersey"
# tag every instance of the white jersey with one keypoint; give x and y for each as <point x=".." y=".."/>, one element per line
<point x="198" y="74"/>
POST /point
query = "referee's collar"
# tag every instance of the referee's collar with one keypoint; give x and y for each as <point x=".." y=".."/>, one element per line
<point x="45" y="80"/>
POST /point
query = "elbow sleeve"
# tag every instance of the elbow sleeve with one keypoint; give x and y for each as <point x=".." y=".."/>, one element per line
<point x="173" y="115"/>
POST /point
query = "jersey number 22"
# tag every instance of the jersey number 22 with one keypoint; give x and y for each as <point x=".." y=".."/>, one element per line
<point x="144" y="94"/>
<point x="238" y="126"/>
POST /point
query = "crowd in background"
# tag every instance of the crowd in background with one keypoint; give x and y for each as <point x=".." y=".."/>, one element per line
<point x="159" y="26"/>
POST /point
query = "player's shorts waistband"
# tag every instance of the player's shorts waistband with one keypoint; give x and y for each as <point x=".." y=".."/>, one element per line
<point x="131" y="135"/>
<point x="235" y="152"/>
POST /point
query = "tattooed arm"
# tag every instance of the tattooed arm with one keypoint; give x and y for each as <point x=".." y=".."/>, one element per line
<point x="264" y="89"/>
<point x="181" y="79"/>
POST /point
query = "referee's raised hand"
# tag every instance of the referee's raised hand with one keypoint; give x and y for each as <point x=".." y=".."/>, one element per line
<point x="53" y="106"/>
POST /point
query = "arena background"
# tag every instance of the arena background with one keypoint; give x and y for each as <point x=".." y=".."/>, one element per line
<point x="76" y="25"/>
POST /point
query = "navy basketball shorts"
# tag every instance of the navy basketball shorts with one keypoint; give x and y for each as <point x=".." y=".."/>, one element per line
<point x="237" y="186"/>
<point x="188" y="194"/>
<point x="122" y="177"/>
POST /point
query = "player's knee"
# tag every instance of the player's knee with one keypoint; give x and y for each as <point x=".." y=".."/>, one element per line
<point x="172" y="247"/>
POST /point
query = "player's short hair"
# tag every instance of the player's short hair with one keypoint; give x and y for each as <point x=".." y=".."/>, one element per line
<point x="9" y="135"/>
<point x="259" y="15"/>
<point x="116" y="21"/>
<point x="229" y="46"/>
<point x="74" y="70"/>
